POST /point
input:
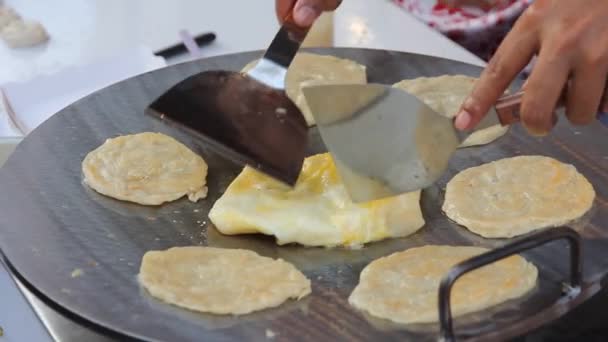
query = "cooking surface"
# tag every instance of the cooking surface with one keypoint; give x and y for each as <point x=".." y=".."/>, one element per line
<point x="56" y="225"/>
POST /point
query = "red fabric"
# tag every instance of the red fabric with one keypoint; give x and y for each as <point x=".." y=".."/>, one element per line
<point x="479" y="28"/>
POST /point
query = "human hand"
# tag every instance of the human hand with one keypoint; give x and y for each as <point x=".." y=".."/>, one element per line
<point x="571" y="39"/>
<point x="305" y="12"/>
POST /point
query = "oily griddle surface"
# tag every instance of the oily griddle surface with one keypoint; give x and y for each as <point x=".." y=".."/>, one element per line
<point x="81" y="251"/>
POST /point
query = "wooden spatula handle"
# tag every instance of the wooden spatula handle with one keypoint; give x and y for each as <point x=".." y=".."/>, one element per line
<point x="507" y="108"/>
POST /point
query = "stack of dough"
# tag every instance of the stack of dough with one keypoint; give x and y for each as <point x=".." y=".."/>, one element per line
<point x="19" y="33"/>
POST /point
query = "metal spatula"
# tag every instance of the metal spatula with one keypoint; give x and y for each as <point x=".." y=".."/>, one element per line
<point x="386" y="141"/>
<point x="246" y="117"/>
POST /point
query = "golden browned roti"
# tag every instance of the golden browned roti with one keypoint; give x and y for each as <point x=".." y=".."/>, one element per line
<point x="317" y="211"/>
<point x="445" y="94"/>
<point x="311" y="69"/>
<point x="220" y="281"/>
<point x="145" y="168"/>
<point x="403" y="287"/>
<point x="514" y="196"/>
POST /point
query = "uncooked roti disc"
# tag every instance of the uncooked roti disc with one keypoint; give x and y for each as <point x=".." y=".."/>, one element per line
<point x="220" y="281"/>
<point x="403" y="287"/>
<point x="515" y="196"/>
<point x="445" y="94"/>
<point x="310" y="69"/>
<point x="145" y="168"/>
<point x="7" y="16"/>
<point x="20" y="34"/>
<point x="317" y="211"/>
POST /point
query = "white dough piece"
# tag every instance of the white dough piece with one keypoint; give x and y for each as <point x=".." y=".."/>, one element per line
<point x="7" y="16"/>
<point x="445" y="94"/>
<point x="515" y="196"/>
<point x="220" y="281"/>
<point x="316" y="212"/>
<point x="146" y="168"/>
<point x="403" y="287"/>
<point x="20" y="34"/>
<point x="310" y="69"/>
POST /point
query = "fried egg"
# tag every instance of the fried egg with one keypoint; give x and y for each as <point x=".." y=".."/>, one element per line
<point x="317" y="211"/>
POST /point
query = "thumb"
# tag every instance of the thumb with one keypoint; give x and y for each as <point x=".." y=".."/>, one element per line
<point x="307" y="11"/>
<point x="282" y="8"/>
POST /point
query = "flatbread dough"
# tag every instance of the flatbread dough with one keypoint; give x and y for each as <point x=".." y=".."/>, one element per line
<point x="316" y="212"/>
<point x="403" y="287"/>
<point x="445" y="94"/>
<point x="220" y="281"/>
<point x="20" y="34"/>
<point x="145" y="168"/>
<point x="310" y="69"/>
<point x="7" y="16"/>
<point x="515" y="196"/>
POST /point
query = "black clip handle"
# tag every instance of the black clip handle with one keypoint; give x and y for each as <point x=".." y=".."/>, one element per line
<point x="576" y="274"/>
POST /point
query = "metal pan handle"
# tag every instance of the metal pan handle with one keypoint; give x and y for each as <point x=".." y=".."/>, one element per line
<point x="445" y="314"/>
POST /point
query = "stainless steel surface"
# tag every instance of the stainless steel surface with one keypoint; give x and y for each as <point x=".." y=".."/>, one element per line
<point x="53" y="224"/>
<point x="384" y="140"/>
<point x="246" y="117"/>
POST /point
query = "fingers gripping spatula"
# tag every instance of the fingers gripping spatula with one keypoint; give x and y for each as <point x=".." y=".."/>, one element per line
<point x="246" y="117"/>
<point x="386" y="141"/>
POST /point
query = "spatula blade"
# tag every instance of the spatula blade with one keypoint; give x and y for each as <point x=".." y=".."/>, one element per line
<point x="384" y="141"/>
<point x="241" y="118"/>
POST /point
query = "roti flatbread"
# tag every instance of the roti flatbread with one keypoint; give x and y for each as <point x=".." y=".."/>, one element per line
<point x="311" y="69"/>
<point x="317" y="211"/>
<point x="220" y="281"/>
<point x="445" y="94"/>
<point x="515" y="196"/>
<point x="145" y="168"/>
<point x="403" y="287"/>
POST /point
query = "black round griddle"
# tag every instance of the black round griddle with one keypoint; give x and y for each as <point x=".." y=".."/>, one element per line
<point x="81" y="251"/>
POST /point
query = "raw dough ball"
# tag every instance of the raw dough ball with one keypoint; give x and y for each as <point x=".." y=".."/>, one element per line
<point x="515" y="196"/>
<point x="146" y="168"/>
<point x="403" y="287"/>
<point x="19" y="34"/>
<point x="316" y="212"/>
<point x="310" y="69"/>
<point x="7" y="16"/>
<point x="220" y="281"/>
<point x="445" y="94"/>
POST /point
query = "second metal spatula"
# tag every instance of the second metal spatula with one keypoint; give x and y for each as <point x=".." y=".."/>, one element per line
<point x="386" y="141"/>
<point x="246" y="117"/>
